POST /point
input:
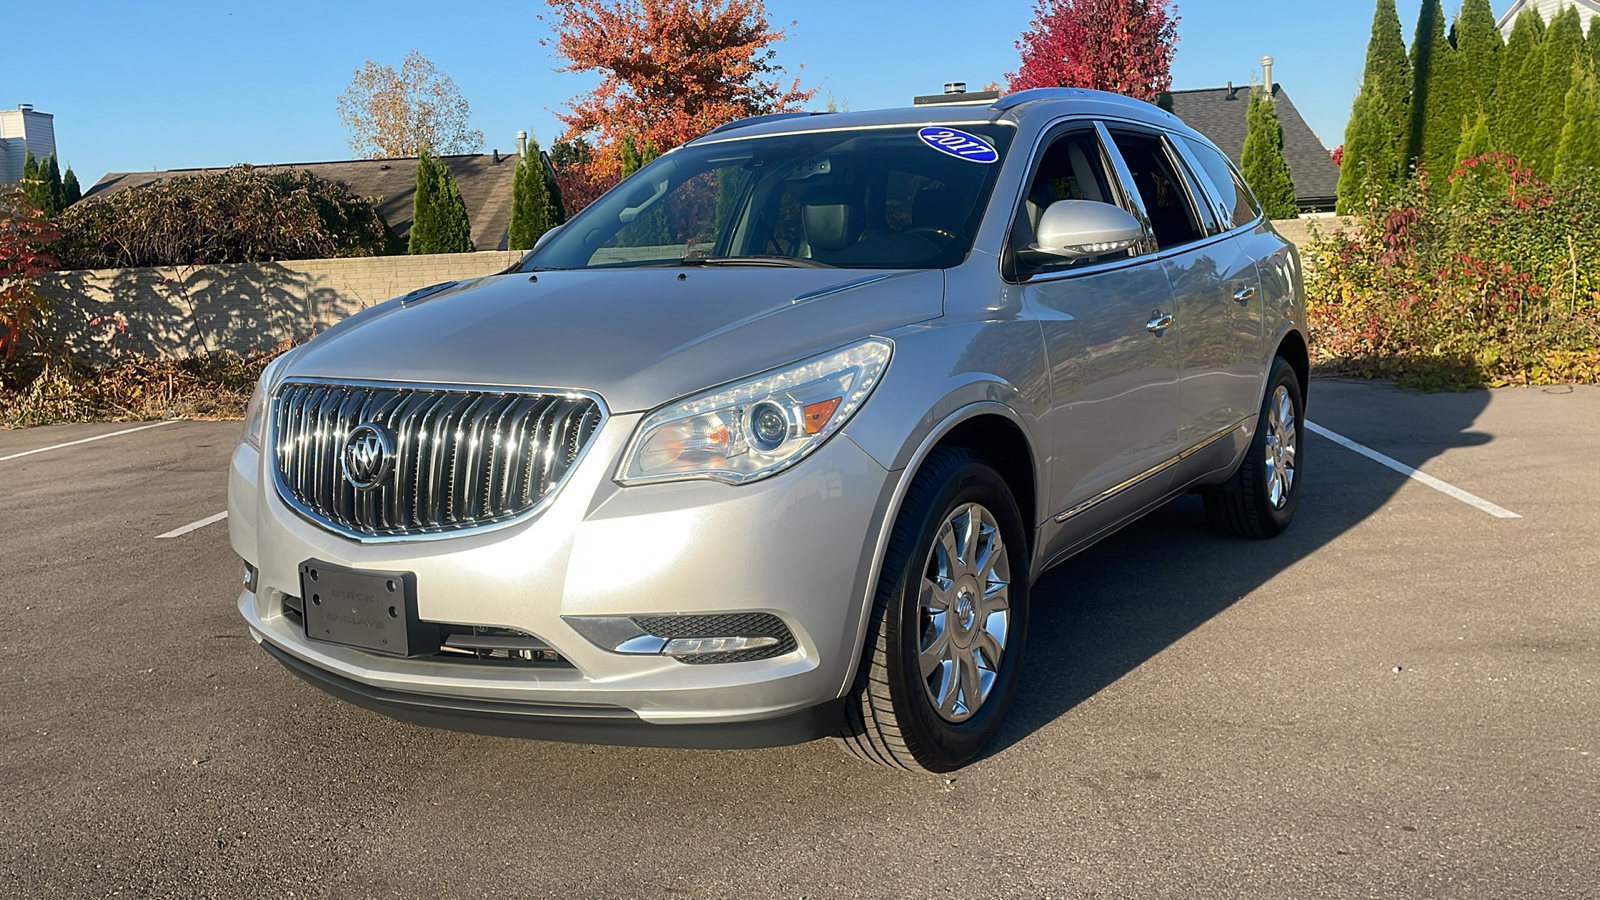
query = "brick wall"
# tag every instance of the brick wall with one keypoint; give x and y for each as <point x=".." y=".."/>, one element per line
<point x="179" y="311"/>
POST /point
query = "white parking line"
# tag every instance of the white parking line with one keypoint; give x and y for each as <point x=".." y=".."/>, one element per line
<point x="194" y="526"/>
<point x="99" y="437"/>
<point x="1442" y="487"/>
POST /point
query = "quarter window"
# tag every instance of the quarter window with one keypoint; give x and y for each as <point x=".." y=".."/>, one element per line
<point x="1231" y="193"/>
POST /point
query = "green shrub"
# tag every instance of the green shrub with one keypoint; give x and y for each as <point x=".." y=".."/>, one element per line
<point x="238" y="215"/>
<point x="1499" y="284"/>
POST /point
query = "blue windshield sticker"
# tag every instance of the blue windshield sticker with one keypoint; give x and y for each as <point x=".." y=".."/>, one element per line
<point x="958" y="144"/>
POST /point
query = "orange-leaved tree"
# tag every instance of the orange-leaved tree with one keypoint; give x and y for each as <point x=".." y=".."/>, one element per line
<point x="24" y="233"/>
<point x="670" y="70"/>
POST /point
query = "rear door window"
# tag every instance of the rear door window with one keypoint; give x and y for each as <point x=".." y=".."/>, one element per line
<point x="1164" y="190"/>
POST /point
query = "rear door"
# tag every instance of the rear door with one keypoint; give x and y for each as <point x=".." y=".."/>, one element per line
<point x="1214" y="284"/>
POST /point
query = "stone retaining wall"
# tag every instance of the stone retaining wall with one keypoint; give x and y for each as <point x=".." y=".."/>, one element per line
<point x="101" y="314"/>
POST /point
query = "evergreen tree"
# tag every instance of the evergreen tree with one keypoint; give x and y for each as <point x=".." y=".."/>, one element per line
<point x="454" y="234"/>
<point x="630" y="156"/>
<point x="33" y="187"/>
<point x="1262" y="163"/>
<point x="70" y="189"/>
<point x="1474" y="143"/>
<point x="1579" y="152"/>
<point x="530" y="201"/>
<point x="1435" y="105"/>
<point x="1563" y="45"/>
<point x="53" y="192"/>
<point x="424" y="205"/>
<point x="1517" y="90"/>
<point x="1479" y="46"/>
<point x="1593" y="43"/>
<point x="1375" y="139"/>
<point x="558" y="209"/>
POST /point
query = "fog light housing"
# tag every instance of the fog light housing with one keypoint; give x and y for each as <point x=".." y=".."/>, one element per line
<point x="695" y="639"/>
<point x="252" y="577"/>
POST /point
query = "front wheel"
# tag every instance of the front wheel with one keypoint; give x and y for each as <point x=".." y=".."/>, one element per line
<point x="944" y="645"/>
<point x="1260" y="499"/>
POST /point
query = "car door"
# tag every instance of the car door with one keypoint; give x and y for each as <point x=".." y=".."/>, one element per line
<point x="1113" y="359"/>
<point x="1214" y="284"/>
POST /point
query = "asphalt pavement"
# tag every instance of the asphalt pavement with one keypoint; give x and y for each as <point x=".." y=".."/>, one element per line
<point x="1400" y="697"/>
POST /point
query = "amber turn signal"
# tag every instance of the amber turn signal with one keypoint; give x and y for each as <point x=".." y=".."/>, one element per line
<point x="817" y="414"/>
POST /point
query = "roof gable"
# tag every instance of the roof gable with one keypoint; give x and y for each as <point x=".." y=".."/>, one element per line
<point x="1219" y="114"/>
<point x="1587" y="9"/>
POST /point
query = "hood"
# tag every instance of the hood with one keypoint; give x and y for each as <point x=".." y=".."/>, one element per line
<point x="636" y="337"/>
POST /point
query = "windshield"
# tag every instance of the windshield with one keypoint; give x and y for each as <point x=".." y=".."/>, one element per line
<point x="883" y="198"/>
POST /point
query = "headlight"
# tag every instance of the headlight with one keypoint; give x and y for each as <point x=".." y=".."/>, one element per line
<point x="756" y="427"/>
<point x="255" y="412"/>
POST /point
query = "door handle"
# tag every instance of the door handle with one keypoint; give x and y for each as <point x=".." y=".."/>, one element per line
<point x="1244" y="294"/>
<point x="1160" y="323"/>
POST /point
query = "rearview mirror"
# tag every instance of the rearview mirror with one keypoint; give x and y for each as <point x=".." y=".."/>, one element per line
<point x="1083" y="229"/>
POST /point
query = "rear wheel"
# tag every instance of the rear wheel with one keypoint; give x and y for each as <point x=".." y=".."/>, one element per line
<point x="944" y="645"/>
<point x="1260" y="499"/>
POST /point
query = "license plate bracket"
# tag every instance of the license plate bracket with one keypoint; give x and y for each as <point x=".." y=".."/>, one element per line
<point x="370" y="610"/>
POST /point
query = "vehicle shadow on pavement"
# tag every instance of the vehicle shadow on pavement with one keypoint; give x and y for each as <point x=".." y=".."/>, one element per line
<point x="1106" y="611"/>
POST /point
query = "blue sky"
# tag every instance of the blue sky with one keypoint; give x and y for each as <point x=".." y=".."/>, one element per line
<point x="178" y="85"/>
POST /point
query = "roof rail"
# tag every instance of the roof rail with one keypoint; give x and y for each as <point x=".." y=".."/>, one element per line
<point x="757" y="120"/>
<point x="1018" y="98"/>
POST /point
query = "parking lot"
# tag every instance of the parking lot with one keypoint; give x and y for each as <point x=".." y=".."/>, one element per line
<point x="1400" y="697"/>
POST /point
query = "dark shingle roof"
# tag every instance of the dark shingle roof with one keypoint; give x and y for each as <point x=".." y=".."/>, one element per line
<point x="485" y="185"/>
<point x="1213" y="114"/>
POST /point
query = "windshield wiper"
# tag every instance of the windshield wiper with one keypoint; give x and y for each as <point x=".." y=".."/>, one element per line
<point x="788" y="262"/>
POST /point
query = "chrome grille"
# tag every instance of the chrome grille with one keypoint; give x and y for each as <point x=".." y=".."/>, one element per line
<point x="462" y="457"/>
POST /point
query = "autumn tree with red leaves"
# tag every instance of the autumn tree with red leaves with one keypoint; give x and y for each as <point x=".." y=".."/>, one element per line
<point x="24" y="232"/>
<point x="670" y="70"/>
<point x="1122" y="46"/>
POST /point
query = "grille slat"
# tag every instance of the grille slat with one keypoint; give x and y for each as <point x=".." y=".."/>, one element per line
<point x="463" y="458"/>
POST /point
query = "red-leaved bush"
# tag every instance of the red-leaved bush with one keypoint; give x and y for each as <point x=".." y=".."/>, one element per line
<point x="1495" y="281"/>
<point x="1122" y="46"/>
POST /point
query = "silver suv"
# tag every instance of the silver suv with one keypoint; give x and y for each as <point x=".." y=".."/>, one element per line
<point x="770" y="441"/>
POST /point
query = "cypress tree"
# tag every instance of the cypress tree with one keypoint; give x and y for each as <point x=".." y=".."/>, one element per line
<point x="454" y="233"/>
<point x="1579" y="152"/>
<point x="424" y="206"/>
<point x="1375" y="139"/>
<point x="69" y="187"/>
<point x="630" y="156"/>
<point x="31" y="183"/>
<point x="530" y="201"/>
<point x="54" y="192"/>
<point x="1517" y="90"/>
<point x="1262" y="163"/>
<point x="558" y="209"/>
<point x="1593" y="43"/>
<point x="1478" y="45"/>
<point x="1474" y="143"/>
<point x="1563" y="44"/>
<point x="1435" y="106"/>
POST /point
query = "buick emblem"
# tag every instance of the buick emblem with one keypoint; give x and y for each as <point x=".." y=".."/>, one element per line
<point x="367" y="456"/>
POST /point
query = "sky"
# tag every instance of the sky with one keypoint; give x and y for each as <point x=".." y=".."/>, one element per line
<point x="141" y="86"/>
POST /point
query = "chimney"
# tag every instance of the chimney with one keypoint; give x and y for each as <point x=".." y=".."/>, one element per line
<point x="955" y="87"/>
<point x="1231" y="90"/>
<point x="1266" y="66"/>
<point x="522" y="143"/>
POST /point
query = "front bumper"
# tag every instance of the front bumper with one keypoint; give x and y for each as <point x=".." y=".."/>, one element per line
<point x="798" y="546"/>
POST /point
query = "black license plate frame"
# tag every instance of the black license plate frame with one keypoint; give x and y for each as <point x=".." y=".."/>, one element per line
<point x="369" y="610"/>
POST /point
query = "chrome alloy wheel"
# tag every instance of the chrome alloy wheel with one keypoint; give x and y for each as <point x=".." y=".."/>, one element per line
<point x="965" y="612"/>
<point x="1279" y="458"/>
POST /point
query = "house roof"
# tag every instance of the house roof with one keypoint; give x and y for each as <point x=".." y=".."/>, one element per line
<point x="1218" y="113"/>
<point x="484" y="180"/>
<point x="1587" y="9"/>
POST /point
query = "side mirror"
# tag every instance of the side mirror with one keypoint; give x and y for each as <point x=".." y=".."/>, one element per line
<point x="1083" y="229"/>
<point x="545" y="238"/>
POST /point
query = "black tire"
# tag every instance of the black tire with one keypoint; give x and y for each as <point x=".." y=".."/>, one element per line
<point x="890" y="717"/>
<point x="1243" y="505"/>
